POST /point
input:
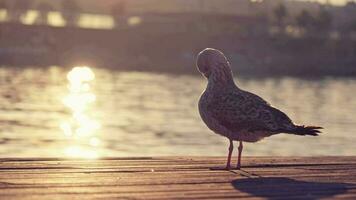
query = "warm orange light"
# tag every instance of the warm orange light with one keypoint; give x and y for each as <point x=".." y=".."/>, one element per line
<point x="78" y="77"/>
<point x="134" y="21"/>
<point x="79" y="152"/>
<point x="80" y="127"/>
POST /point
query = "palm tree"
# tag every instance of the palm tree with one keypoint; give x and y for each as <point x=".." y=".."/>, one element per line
<point x="71" y="12"/>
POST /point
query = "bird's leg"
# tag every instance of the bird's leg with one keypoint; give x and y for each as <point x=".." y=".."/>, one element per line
<point x="231" y="148"/>
<point x="239" y="158"/>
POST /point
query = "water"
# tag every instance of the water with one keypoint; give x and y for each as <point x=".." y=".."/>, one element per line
<point x="89" y="113"/>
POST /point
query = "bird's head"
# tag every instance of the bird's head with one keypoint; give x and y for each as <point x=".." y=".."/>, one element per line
<point x="211" y="61"/>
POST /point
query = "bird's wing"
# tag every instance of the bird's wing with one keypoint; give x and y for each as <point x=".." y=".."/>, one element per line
<point x="251" y="96"/>
<point x="240" y="110"/>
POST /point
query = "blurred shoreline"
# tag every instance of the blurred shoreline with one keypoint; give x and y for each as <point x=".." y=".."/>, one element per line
<point x="170" y="42"/>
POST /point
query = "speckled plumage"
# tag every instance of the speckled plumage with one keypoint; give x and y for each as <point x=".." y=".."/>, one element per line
<point x="237" y="114"/>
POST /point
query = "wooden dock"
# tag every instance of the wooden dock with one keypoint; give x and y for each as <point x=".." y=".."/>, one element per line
<point x="178" y="178"/>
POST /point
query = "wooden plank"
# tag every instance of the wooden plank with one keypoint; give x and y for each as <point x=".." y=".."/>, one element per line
<point x="178" y="178"/>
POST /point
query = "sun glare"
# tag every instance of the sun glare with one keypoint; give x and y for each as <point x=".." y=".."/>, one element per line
<point x="134" y="21"/>
<point x="96" y="21"/>
<point x="30" y="17"/>
<point x="79" y="152"/>
<point x="3" y="15"/>
<point x="80" y="127"/>
<point x="80" y="76"/>
<point x="56" y="19"/>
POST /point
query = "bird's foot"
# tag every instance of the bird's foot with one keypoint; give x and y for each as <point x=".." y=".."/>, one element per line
<point x="228" y="166"/>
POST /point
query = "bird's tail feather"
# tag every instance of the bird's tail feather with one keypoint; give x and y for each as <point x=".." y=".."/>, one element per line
<point x="306" y="130"/>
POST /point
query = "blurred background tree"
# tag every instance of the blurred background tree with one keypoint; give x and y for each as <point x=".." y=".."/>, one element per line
<point x="118" y="12"/>
<point x="71" y="12"/>
<point x="324" y="19"/>
<point x="349" y="26"/>
<point x="352" y="26"/>
<point x="319" y="24"/>
<point x="19" y="9"/>
<point x="3" y="5"/>
<point x="305" y="20"/>
<point x="280" y="13"/>
<point x="44" y="8"/>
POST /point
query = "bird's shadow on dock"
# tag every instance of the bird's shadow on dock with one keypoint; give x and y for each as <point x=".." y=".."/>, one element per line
<point x="285" y="188"/>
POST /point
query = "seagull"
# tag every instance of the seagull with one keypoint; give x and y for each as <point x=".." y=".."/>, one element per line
<point x="236" y="114"/>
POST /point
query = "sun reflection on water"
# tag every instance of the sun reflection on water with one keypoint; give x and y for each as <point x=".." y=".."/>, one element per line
<point x="80" y="152"/>
<point x="80" y="127"/>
